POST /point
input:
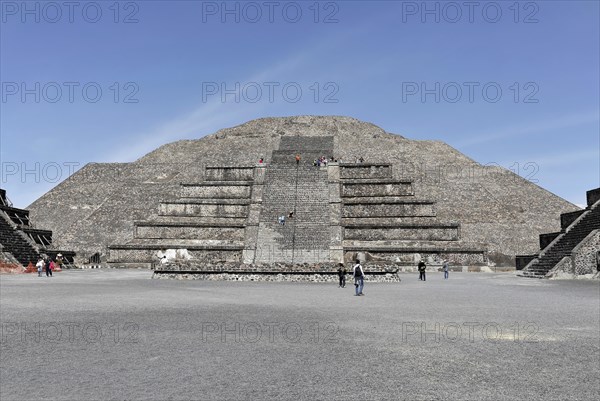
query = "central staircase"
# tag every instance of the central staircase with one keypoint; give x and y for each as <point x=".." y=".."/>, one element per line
<point x="300" y="188"/>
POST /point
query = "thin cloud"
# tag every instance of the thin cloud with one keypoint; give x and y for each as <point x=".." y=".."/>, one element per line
<point x="215" y="114"/>
<point x="538" y="127"/>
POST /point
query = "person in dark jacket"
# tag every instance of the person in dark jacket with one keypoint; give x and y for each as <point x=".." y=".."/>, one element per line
<point x="422" y="267"/>
<point x="342" y="275"/>
<point x="47" y="264"/>
<point x="359" y="276"/>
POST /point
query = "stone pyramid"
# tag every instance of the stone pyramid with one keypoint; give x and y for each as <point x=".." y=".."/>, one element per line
<point x="385" y="197"/>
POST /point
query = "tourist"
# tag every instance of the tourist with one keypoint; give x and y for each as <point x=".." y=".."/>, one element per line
<point x="164" y="261"/>
<point x="261" y="160"/>
<point x="298" y="158"/>
<point x="445" y="269"/>
<point x="281" y="220"/>
<point x="39" y="265"/>
<point x="315" y="163"/>
<point x="358" y="275"/>
<point x="291" y="215"/>
<point x="59" y="261"/>
<point x="47" y="264"/>
<point x="342" y="275"/>
<point x="422" y="268"/>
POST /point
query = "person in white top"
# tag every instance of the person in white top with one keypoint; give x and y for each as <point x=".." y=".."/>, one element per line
<point x="40" y="266"/>
<point x="358" y="275"/>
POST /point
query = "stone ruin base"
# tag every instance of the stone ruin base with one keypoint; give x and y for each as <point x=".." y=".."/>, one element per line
<point x="315" y="272"/>
<point x="314" y="278"/>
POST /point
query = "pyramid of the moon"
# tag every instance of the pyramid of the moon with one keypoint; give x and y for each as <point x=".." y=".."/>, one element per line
<point x="382" y="196"/>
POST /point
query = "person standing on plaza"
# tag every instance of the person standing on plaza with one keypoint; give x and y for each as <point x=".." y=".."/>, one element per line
<point x="422" y="266"/>
<point x="359" y="275"/>
<point x="342" y="275"/>
<point x="40" y="266"/>
<point x="445" y="269"/>
<point x="47" y="264"/>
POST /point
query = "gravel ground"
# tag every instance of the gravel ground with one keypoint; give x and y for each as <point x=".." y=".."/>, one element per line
<point x="109" y="334"/>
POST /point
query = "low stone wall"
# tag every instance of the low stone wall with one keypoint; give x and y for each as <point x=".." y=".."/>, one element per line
<point x="377" y="189"/>
<point x="229" y="173"/>
<point x="363" y="171"/>
<point x="203" y="210"/>
<point x="314" y="272"/>
<point x="274" y="268"/>
<point x="411" y="257"/>
<point x="585" y="255"/>
<point x="189" y="232"/>
<point x="149" y="255"/>
<point x="402" y="233"/>
<point x="315" y="278"/>
<point x="216" y="191"/>
<point x="387" y="209"/>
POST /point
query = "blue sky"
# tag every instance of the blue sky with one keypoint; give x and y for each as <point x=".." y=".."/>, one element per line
<point x="512" y="83"/>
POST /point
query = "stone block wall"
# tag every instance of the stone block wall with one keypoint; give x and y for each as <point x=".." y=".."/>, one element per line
<point x="433" y="233"/>
<point x="364" y="171"/>
<point x="202" y="209"/>
<point x="220" y="190"/>
<point x="189" y="231"/>
<point x="229" y="173"/>
<point x="388" y="209"/>
<point x="585" y="257"/>
<point x="355" y="189"/>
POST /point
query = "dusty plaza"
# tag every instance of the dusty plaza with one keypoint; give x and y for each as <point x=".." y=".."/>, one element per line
<point x="118" y="334"/>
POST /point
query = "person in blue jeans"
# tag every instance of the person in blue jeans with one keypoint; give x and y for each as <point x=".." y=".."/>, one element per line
<point x="359" y="276"/>
<point x="445" y="268"/>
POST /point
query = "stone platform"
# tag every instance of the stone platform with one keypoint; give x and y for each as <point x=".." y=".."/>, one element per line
<point x="229" y="223"/>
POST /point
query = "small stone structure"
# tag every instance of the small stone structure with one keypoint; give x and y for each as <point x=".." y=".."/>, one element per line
<point x="574" y="251"/>
<point x="20" y="242"/>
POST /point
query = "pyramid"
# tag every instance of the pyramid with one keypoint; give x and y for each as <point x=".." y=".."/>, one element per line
<point x="382" y="197"/>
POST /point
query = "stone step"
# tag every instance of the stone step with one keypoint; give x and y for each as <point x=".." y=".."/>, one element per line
<point x="211" y="191"/>
<point x="197" y="220"/>
<point x="204" y="209"/>
<point x="189" y="231"/>
<point x="431" y="233"/>
<point x="395" y="209"/>
<point x="390" y="221"/>
<point x="413" y="245"/>
<point x="229" y="173"/>
<point x="384" y="188"/>
<point x="356" y="171"/>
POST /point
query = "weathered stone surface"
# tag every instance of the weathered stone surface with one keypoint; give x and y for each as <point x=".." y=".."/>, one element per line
<point x="98" y="205"/>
